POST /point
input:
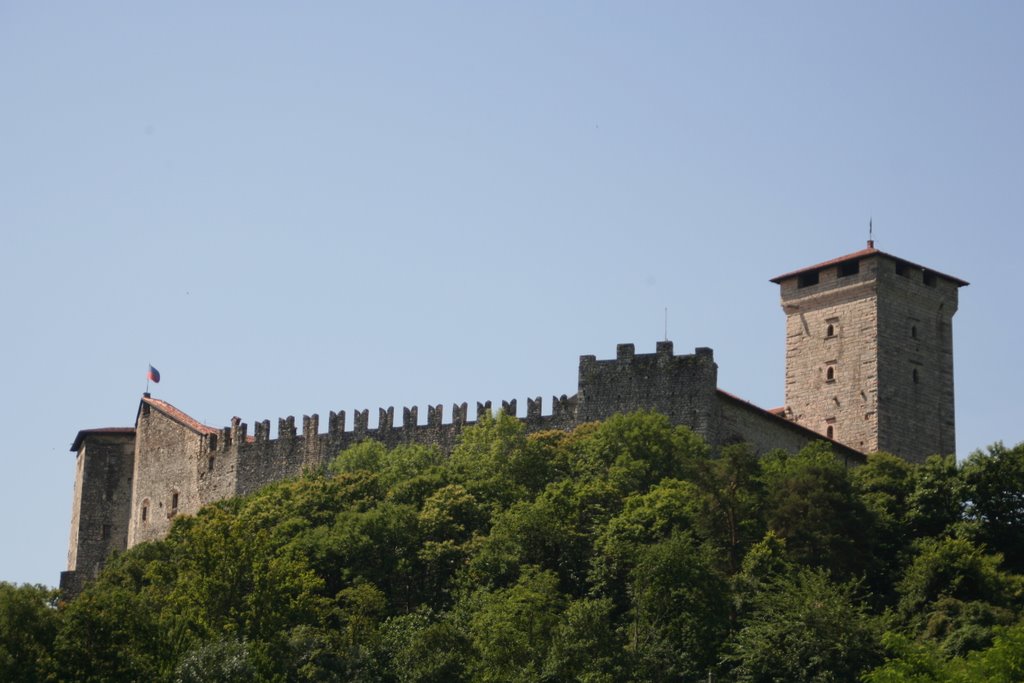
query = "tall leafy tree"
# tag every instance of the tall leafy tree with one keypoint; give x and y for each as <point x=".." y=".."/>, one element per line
<point x="884" y="485"/>
<point x="679" y="613"/>
<point x="511" y="628"/>
<point x="803" y="627"/>
<point x="955" y="593"/>
<point x="810" y="503"/>
<point x="28" y="627"/>
<point x="936" y="504"/>
<point x="994" y="482"/>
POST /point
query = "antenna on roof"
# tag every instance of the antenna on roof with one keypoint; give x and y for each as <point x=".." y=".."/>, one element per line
<point x="666" y="323"/>
<point x="871" y="233"/>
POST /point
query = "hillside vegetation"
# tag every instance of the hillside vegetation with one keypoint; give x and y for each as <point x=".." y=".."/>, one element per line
<point x="622" y="551"/>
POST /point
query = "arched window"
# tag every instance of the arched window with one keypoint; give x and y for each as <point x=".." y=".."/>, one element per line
<point x="830" y="331"/>
<point x="830" y="432"/>
<point x="830" y="374"/>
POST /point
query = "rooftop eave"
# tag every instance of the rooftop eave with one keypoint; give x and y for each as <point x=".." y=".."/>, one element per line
<point x="103" y="431"/>
<point x="863" y="253"/>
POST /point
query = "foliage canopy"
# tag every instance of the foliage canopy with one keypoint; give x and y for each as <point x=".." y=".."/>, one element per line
<point x="625" y="550"/>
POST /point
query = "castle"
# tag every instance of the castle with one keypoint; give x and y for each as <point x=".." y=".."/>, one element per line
<point x="869" y="367"/>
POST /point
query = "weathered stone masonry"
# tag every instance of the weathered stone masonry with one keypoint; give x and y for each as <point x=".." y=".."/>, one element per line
<point x="869" y="353"/>
<point x="868" y="367"/>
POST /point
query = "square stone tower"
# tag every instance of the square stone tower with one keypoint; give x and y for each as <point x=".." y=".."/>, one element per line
<point x="102" y="503"/>
<point x="869" y="353"/>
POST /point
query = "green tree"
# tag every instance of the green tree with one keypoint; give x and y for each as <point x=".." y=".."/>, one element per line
<point x="955" y="593"/>
<point x="645" y="519"/>
<point x="28" y="626"/>
<point x="511" y="628"/>
<point x="679" y="612"/>
<point x="117" y="628"/>
<point x="994" y="483"/>
<point x="1003" y="661"/>
<point x="727" y="502"/>
<point x="937" y="501"/>
<point x="635" y="451"/>
<point x="425" y="647"/>
<point x="585" y="645"/>
<point x="884" y="485"/>
<point x="909" y="661"/>
<point x="804" y="627"/>
<point x="494" y="464"/>
<point x="810" y="503"/>
<point x="922" y="662"/>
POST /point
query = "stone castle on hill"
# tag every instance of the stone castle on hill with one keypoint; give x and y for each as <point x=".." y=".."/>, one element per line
<point x="869" y="366"/>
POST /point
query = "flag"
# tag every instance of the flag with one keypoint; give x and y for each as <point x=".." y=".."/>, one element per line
<point x="154" y="375"/>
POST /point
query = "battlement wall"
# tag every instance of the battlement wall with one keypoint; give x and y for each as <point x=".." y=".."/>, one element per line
<point x="261" y="460"/>
<point x="180" y="465"/>
<point x="681" y="387"/>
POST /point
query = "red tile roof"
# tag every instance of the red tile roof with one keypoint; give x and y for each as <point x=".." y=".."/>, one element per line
<point x="870" y="251"/>
<point x="180" y="417"/>
<point x="102" y="430"/>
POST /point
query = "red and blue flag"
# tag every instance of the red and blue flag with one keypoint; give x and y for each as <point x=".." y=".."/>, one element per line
<point x="154" y="375"/>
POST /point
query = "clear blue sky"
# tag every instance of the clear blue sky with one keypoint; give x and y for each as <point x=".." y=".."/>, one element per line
<point x="292" y="208"/>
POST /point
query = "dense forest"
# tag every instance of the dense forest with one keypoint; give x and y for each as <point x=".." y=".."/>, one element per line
<point x="622" y="551"/>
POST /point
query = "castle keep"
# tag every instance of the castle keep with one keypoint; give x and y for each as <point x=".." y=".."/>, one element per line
<point x="869" y="353"/>
<point x="868" y="367"/>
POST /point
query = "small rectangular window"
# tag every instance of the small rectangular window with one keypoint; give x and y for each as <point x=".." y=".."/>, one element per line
<point x="106" y="532"/>
<point x="145" y="513"/>
<point x="929" y="278"/>
<point x="174" y="501"/>
<point x="209" y="465"/>
<point x="848" y="269"/>
<point x="902" y="269"/>
<point x="807" y="279"/>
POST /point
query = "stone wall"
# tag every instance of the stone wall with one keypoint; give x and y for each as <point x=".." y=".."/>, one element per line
<point x="915" y="363"/>
<point x="831" y="352"/>
<point x="181" y="465"/>
<point x="681" y="387"/>
<point x="167" y="459"/>
<point x="869" y="353"/>
<point x="102" y="502"/>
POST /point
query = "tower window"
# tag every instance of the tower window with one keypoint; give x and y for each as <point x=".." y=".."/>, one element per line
<point x="913" y="331"/>
<point x="848" y="269"/>
<point x="807" y="279"/>
<point x="830" y="373"/>
<point x="830" y="432"/>
<point x="106" y="532"/>
<point x="929" y="278"/>
<point x="209" y="464"/>
<point x="902" y="269"/>
<point x="915" y="376"/>
<point x="145" y="512"/>
<point x="830" y="331"/>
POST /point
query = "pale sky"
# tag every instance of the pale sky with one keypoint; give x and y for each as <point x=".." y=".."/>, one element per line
<point x="292" y="208"/>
